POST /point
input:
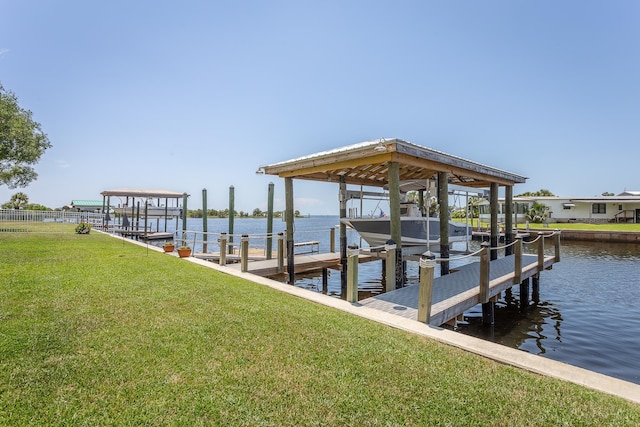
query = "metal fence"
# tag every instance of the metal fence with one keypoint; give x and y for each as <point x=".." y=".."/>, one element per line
<point x="23" y="221"/>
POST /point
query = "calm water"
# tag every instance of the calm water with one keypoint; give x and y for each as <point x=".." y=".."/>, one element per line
<point x="588" y="314"/>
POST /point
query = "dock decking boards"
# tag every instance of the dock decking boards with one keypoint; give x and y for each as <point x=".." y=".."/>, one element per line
<point x="303" y="263"/>
<point x="456" y="292"/>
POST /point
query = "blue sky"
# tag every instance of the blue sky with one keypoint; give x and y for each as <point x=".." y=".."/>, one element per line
<point x="198" y="94"/>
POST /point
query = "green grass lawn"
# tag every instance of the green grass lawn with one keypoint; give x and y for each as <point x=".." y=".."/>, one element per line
<point x="94" y="331"/>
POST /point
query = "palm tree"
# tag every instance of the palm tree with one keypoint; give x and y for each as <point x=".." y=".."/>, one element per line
<point x="17" y="201"/>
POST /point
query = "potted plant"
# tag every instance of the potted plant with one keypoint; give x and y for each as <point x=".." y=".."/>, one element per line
<point x="83" y="228"/>
<point x="184" y="251"/>
<point x="168" y="246"/>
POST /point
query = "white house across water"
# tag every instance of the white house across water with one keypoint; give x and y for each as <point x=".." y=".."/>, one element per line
<point x="623" y="208"/>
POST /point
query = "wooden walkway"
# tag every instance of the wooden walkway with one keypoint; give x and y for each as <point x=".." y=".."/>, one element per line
<point x="303" y="264"/>
<point x="457" y="292"/>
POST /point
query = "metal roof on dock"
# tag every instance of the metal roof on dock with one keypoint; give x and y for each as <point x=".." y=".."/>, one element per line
<point x="367" y="163"/>
<point x="128" y="192"/>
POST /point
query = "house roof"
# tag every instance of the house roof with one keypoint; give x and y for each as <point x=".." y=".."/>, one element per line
<point x="367" y="163"/>
<point x="592" y="199"/>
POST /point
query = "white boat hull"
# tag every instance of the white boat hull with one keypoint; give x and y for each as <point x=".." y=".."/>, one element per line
<point x="377" y="231"/>
<point x="152" y="211"/>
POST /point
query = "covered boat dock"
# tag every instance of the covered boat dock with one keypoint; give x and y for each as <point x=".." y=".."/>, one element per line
<point x="387" y="162"/>
<point x="146" y="205"/>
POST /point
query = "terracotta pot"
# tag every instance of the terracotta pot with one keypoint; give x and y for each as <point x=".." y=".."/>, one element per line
<point x="169" y="248"/>
<point x="183" y="253"/>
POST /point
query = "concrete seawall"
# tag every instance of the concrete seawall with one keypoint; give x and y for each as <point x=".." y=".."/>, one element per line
<point x="596" y="236"/>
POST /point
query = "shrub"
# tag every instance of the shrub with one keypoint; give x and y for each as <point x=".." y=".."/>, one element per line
<point x="83" y="228"/>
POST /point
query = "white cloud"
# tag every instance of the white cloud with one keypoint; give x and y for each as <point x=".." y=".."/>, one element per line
<point x="3" y="51"/>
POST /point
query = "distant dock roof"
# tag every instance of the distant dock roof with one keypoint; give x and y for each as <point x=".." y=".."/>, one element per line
<point x="128" y="192"/>
<point x="367" y="163"/>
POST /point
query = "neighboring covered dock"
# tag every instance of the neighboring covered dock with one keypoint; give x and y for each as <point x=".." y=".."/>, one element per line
<point x="135" y="205"/>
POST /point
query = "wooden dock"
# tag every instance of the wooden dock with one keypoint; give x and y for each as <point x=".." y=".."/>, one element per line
<point x="459" y="291"/>
<point x="303" y="264"/>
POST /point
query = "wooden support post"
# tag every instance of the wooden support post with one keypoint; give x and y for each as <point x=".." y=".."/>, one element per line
<point x="280" y="252"/>
<point x="342" y="197"/>
<point x="524" y="293"/>
<point x="484" y="274"/>
<point x="394" y="218"/>
<point x="270" y="220"/>
<point x="223" y="249"/>
<point x="231" y="216"/>
<point x="443" y="200"/>
<point x="556" y="241"/>
<point x="288" y="195"/>
<point x="495" y="230"/>
<point x="204" y="221"/>
<point x="244" y="253"/>
<point x="425" y="292"/>
<point x="390" y="264"/>
<point x="488" y="313"/>
<point x="325" y="281"/>
<point x="517" y="270"/>
<point x="146" y="218"/>
<point x="508" y="219"/>
<point x="352" y="274"/>
<point x="332" y="240"/>
<point x="184" y="220"/>
<point x="535" y="291"/>
<point x="540" y="251"/>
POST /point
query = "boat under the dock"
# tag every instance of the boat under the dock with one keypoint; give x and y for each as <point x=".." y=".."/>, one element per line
<point x="377" y="231"/>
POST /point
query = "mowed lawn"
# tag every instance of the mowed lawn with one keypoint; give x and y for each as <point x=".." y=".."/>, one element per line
<point x="97" y="331"/>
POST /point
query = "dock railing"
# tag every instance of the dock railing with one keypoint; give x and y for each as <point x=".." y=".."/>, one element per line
<point x="427" y="268"/>
<point x="208" y="245"/>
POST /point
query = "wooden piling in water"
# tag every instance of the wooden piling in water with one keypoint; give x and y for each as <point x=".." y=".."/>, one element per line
<point x="524" y="293"/>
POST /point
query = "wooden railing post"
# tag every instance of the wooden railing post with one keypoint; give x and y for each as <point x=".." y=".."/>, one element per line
<point x="223" y="249"/>
<point x="540" y="251"/>
<point x="244" y="253"/>
<point x="352" y="273"/>
<point x="390" y="264"/>
<point x="517" y="271"/>
<point x="556" y="241"/>
<point x="425" y="292"/>
<point x="280" y="252"/>
<point x="484" y="274"/>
